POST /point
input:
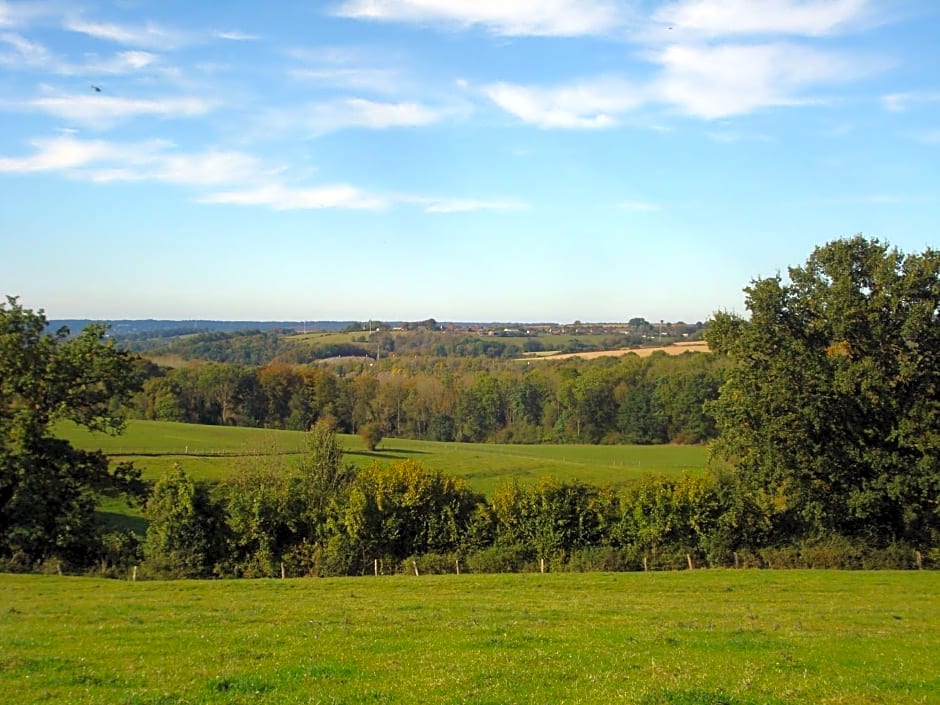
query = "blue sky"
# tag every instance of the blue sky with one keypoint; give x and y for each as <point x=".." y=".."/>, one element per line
<point x="523" y="160"/>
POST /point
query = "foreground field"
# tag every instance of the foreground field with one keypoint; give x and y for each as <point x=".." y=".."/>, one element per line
<point x="692" y="638"/>
<point x="213" y="452"/>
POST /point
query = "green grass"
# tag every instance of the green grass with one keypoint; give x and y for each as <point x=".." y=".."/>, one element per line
<point x="211" y="452"/>
<point x="702" y="638"/>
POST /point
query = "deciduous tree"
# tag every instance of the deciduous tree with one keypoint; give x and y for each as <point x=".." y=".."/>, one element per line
<point x="831" y="411"/>
<point x="48" y="489"/>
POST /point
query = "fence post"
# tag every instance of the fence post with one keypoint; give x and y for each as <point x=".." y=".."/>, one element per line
<point x="134" y="575"/>
<point x="457" y="562"/>
<point x="688" y="557"/>
<point x="376" y="567"/>
<point x="415" y="564"/>
<point x="645" y="566"/>
<point x="282" y="572"/>
<point x="920" y="560"/>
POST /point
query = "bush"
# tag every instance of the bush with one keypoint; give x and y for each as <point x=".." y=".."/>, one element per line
<point x="371" y="435"/>
<point x="431" y="564"/>
<point x="500" y="559"/>
<point x="601" y="559"/>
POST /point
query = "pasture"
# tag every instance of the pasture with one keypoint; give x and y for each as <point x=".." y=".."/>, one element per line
<point x="212" y="452"/>
<point x="684" y="638"/>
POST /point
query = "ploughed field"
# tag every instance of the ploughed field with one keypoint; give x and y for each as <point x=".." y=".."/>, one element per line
<point x="690" y="638"/>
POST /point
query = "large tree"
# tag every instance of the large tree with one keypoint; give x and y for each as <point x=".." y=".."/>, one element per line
<point x="831" y="411"/>
<point x="48" y="489"/>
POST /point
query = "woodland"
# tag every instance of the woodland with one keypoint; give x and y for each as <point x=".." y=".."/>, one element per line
<point x="821" y="409"/>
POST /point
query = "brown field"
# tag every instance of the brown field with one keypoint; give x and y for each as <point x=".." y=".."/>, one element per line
<point x="674" y="349"/>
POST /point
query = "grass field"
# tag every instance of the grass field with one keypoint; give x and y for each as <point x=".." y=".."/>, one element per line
<point x="689" y="638"/>
<point x="211" y="452"/>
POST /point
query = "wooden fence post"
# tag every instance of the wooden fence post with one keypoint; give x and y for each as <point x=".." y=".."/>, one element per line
<point x="282" y="572"/>
<point x="542" y="565"/>
<point x="376" y="567"/>
<point x="415" y="564"/>
<point x="134" y="575"/>
<point x="920" y="560"/>
<point x="645" y="566"/>
<point x="688" y="557"/>
<point x="736" y="560"/>
<point x="457" y="562"/>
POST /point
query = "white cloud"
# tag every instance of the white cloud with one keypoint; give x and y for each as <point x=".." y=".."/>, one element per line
<point x="320" y="118"/>
<point x="58" y="154"/>
<point x="704" y="81"/>
<point x="927" y="136"/>
<point x="594" y="103"/>
<point x="467" y="205"/>
<point x="18" y="14"/>
<point x="155" y="160"/>
<point x="354" y="78"/>
<point x="281" y="197"/>
<point x="235" y="36"/>
<point x="503" y="17"/>
<point x="234" y="178"/>
<point x="717" y="18"/>
<point x="901" y="102"/>
<point x="639" y="206"/>
<point x="718" y="81"/>
<point x="102" y="111"/>
<point x="149" y="35"/>
<point x="30" y="54"/>
<point x="27" y="53"/>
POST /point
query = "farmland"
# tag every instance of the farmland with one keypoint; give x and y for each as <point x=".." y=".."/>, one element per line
<point x="210" y="452"/>
<point x="690" y="638"/>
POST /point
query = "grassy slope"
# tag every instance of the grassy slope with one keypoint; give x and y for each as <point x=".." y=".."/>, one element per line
<point x="155" y="446"/>
<point x="703" y="638"/>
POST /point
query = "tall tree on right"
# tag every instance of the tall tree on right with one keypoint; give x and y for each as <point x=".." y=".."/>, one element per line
<point x="831" y="409"/>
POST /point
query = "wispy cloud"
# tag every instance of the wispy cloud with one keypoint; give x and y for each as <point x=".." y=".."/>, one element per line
<point x="235" y="36"/>
<point x="153" y="160"/>
<point x="719" y="81"/>
<point x="466" y="205"/>
<point x="280" y="197"/>
<point x="639" y="206"/>
<point x="722" y="18"/>
<point x="927" y="136"/>
<point x="902" y="102"/>
<point x="28" y="54"/>
<point x="502" y="17"/>
<point x="349" y="113"/>
<point x="149" y="35"/>
<point x="225" y="177"/>
<point x="101" y="111"/>
<point x="590" y="104"/>
<point x="708" y="82"/>
<point x="18" y="14"/>
<point x="59" y="154"/>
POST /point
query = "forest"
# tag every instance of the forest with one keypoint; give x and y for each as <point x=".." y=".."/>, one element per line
<point x="821" y="408"/>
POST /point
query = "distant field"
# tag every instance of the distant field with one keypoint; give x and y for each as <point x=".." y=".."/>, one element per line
<point x="675" y="349"/>
<point x="685" y="638"/>
<point x="212" y="452"/>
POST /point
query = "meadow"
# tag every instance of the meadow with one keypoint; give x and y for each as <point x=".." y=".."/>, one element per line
<point x="213" y="452"/>
<point x="716" y="637"/>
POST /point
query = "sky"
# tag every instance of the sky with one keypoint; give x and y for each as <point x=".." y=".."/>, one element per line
<point x="466" y="160"/>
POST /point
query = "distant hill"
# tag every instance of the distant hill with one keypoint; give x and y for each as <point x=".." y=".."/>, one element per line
<point x="165" y="328"/>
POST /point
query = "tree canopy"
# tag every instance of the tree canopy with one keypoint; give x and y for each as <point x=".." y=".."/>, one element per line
<point x="831" y="411"/>
<point x="48" y="489"/>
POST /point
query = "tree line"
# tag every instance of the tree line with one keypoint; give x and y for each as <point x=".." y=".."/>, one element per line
<point x="659" y="399"/>
<point x="327" y="519"/>
<point x="827" y="450"/>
